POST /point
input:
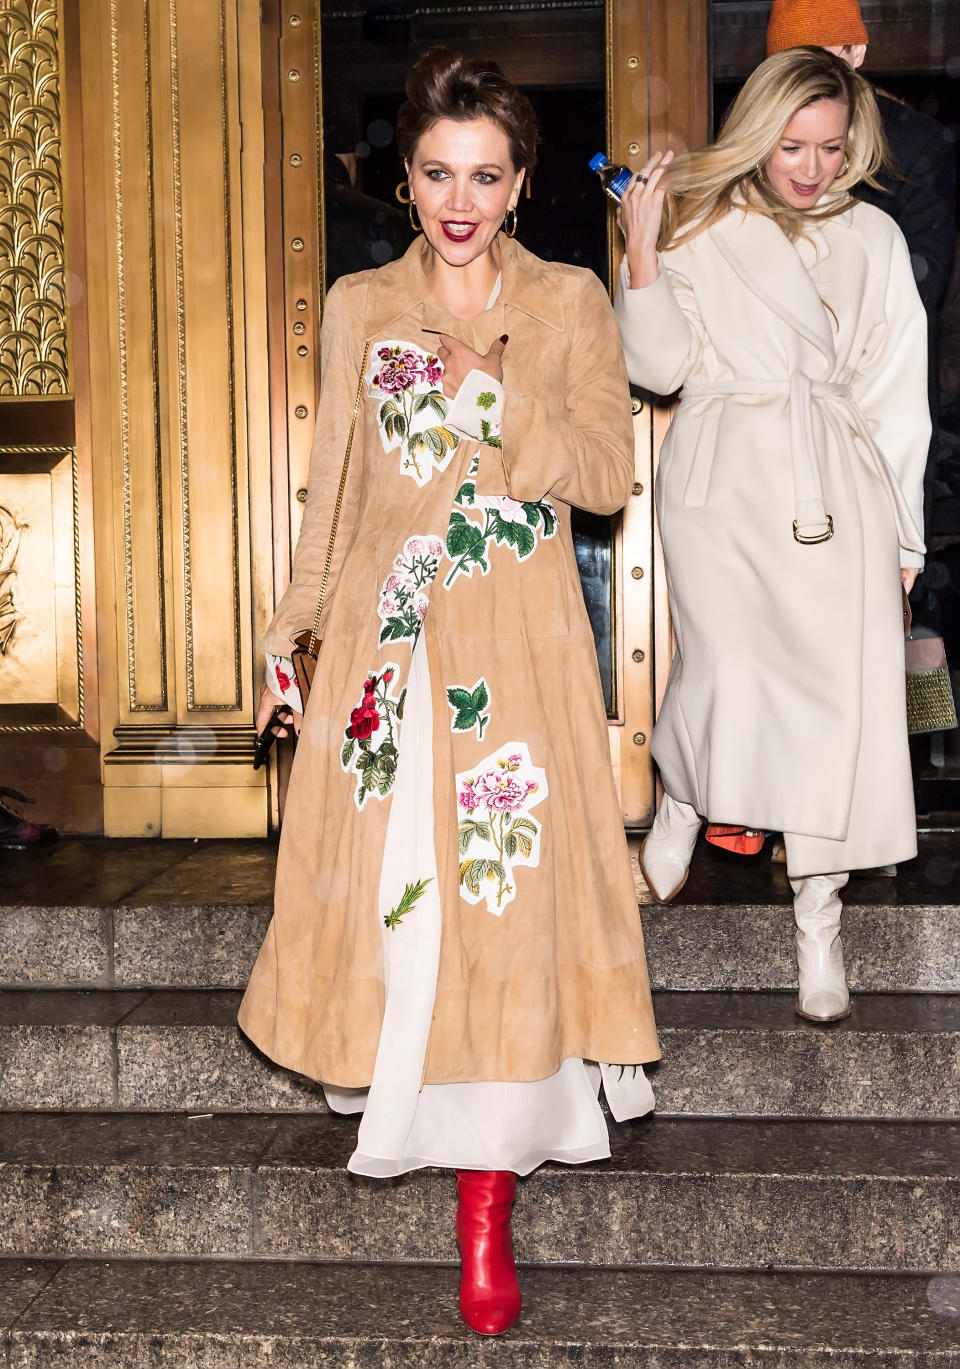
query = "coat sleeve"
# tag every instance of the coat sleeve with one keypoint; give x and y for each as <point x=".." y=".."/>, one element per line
<point x="661" y="330"/>
<point x="581" y="454"/>
<point x="341" y="351"/>
<point x="890" y="386"/>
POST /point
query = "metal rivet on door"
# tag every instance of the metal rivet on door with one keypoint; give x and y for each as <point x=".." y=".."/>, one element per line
<point x="637" y="572"/>
<point x="639" y="738"/>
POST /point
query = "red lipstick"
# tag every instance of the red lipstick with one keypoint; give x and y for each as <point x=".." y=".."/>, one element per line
<point x="458" y="232"/>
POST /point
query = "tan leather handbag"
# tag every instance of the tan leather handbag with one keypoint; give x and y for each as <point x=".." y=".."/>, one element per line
<point x="306" y="646"/>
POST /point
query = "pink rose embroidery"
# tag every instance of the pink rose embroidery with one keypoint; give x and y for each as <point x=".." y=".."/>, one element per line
<point x="496" y="830"/>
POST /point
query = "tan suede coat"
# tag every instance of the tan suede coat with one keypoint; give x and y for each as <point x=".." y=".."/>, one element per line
<point x="542" y="952"/>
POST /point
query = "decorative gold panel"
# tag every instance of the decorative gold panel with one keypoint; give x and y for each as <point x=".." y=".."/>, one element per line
<point x="141" y="475"/>
<point x="33" y="281"/>
<point x="41" y="645"/>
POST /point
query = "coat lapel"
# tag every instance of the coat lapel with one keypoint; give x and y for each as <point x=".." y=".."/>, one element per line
<point x="402" y="289"/>
<point x="770" y="266"/>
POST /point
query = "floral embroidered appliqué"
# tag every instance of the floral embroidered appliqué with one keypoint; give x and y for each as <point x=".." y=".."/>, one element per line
<point x="489" y="429"/>
<point x="496" y="831"/>
<point x="403" y="603"/>
<point x="412" y="411"/>
<point x="412" y="895"/>
<point x="502" y="521"/>
<point x="468" y="706"/>
<point x="370" y="740"/>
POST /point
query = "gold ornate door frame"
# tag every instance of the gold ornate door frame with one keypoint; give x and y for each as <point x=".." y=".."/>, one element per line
<point x="656" y="96"/>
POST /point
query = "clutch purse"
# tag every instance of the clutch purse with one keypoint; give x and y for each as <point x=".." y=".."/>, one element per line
<point x="306" y="646"/>
<point x="930" y="704"/>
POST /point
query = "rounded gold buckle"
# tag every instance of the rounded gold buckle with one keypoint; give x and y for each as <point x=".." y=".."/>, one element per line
<point x="798" y="536"/>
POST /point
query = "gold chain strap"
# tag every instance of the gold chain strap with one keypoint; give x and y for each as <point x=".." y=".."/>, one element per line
<point x="315" y="631"/>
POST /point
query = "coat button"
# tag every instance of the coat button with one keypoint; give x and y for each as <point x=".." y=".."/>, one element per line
<point x="302" y="496"/>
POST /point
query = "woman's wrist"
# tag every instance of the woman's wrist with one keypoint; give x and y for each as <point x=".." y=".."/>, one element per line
<point x="644" y="268"/>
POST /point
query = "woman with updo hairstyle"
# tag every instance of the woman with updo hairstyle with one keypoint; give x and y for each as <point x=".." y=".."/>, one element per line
<point x="455" y="951"/>
<point x="789" y="491"/>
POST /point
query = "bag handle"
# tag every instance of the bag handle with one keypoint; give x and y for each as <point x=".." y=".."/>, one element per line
<point x="315" y="630"/>
<point x="907" y="612"/>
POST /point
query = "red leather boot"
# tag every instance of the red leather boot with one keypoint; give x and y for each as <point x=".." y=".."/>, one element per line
<point x="489" y="1291"/>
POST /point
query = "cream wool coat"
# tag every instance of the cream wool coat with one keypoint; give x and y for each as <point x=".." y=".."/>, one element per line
<point x="468" y="542"/>
<point x="803" y="369"/>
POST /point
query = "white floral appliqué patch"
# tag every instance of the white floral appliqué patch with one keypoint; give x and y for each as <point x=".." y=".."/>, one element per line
<point x="495" y="829"/>
<point x="412" y="409"/>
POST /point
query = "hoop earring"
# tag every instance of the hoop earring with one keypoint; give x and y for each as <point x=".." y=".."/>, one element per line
<point x="402" y="193"/>
<point x="415" y="224"/>
<point x="845" y="167"/>
<point x="510" y="222"/>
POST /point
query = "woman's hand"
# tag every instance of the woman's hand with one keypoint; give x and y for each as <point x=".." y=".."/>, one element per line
<point x="268" y="702"/>
<point x="908" y="574"/>
<point x="459" y="360"/>
<point x="641" y="210"/>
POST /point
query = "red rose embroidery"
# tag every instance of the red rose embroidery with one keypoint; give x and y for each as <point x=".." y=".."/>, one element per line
<point x="283" y="680"/>
<point x="387" y="676"/>
<point x="370" y="685"/>
<point x="365" y="720"/>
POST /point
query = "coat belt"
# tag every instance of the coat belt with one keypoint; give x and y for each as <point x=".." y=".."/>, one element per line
<point x="812" y="521"/>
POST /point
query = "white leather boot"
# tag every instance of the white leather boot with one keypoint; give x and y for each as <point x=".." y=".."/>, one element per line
<point x="668" y="849"/>
<point x="823" y="993"/>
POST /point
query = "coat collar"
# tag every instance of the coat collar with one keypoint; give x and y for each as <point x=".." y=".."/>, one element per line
<point x="401" y="287"/>
<point x="771" y="267"/>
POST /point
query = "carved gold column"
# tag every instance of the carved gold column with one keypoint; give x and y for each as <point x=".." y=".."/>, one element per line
<point x="48" y="698"/>
<point x="180" y="407"/>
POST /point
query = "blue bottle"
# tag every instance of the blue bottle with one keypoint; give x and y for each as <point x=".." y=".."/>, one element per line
<point x="613" y="178"/>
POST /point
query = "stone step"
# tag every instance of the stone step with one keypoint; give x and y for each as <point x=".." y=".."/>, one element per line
<point x="860" y="1195"/>
<point x="725" y="1054"/>
<point x="243" y="1315"/>
<point x="690" y="946"/>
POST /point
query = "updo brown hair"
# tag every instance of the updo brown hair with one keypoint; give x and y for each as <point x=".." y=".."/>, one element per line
<point x="443" y="84"/>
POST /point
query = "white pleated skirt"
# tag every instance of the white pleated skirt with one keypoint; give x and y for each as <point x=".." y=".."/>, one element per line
<point x="486" y="1125"/>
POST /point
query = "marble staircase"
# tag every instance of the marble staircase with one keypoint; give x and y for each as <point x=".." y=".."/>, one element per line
<point x="169" y="1197"/>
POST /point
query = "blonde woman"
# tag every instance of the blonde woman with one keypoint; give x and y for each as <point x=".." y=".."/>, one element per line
<point x="789" y="493"/>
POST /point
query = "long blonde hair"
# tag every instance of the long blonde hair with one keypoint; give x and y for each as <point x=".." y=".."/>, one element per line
<point x="702" y="187"/>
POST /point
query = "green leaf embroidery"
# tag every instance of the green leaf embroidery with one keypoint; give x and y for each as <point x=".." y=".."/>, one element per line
<point x="470" y="828"/>
<point x="463" y="539"/>
<point x="439" y="406"/>
<point x="486" y="400"/>
<point x="487" y="434"/>
<point x="411" y="895"/>
<point x="468" y="706"/>
<point x="421" y="402"/>
<point x="473" y="871"/>
<point x="347" y="752"/>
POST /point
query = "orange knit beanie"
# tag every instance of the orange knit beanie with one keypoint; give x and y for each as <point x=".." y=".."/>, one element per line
<point x="819" y="23"/>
